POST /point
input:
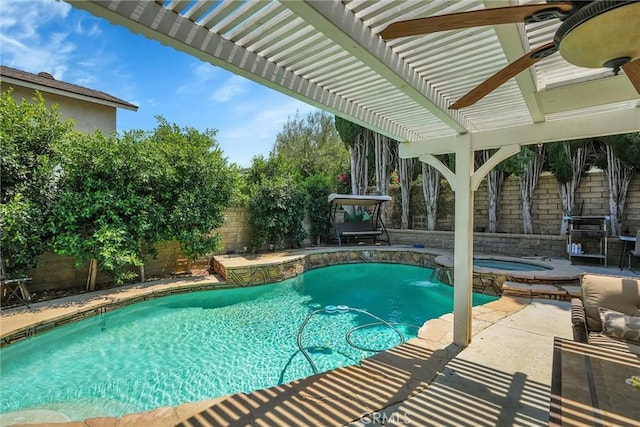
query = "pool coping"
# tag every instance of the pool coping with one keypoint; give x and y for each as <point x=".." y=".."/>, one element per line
<point x="552" y="272"/>
<point x="17" y="323"/>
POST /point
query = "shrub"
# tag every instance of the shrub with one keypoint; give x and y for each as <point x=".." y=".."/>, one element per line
<point x="28" y="188"/>
<point x="277" y="212"/>
<point x="318" y="188"/>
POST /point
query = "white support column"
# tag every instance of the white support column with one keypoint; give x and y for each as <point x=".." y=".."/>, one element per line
<point x="463" y="250"/>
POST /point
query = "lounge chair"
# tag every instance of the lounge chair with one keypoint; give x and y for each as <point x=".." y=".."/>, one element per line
<point x="363" y="214"/>
<point x="608" y="314"/>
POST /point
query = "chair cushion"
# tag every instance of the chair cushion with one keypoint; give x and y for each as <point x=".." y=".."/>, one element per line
<point x="621" y="294"/>
<point x="620" y="325"/>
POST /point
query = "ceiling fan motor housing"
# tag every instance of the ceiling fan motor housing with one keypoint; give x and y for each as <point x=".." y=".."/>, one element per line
<point x="603" y="33"/>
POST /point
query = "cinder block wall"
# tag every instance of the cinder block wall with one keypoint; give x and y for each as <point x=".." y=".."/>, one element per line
<point x="56" y="272"/>
<point x="60" y="272"/>
<point x="235" y="231"/>
<point x="592" y="198"/>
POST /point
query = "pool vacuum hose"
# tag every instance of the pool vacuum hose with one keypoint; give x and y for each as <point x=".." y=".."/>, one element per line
<point x="332" y="309"/>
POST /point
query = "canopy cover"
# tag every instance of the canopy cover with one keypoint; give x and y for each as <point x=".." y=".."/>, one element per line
<point x="357" y="199"/>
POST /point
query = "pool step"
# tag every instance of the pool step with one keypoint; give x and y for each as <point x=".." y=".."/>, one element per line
<point x="537" y="290"/>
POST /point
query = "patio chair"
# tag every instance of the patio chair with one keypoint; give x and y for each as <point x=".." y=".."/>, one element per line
<point x="636" y="251"/>
<point x="15" y="290"/>
<point x="608" y="314"/>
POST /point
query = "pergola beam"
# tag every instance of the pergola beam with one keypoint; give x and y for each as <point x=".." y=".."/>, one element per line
<point x="588" y="94"/>
<point x="514" y="47"/>
<point x="587" y="126"/>
<point x="502" y="154"/>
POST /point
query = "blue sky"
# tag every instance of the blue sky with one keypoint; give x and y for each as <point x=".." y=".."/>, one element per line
<point x="76" y="47"/>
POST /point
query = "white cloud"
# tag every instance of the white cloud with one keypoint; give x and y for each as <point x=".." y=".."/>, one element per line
<point x="201" y="74"/>
<point x="256" y="125"/>
<point x="23" y="44"/>
<point x="233" y="87"/>
<point x="23" y="19"/>
<point x="204" y="70"/>
<point x="91" y="30"/>
<point x="205" y="76"/>
<point x="58" y="71"/>
<point x="85" y="79"/>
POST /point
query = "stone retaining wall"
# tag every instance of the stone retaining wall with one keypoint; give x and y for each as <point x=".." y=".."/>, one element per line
<point x="269" y="272"/>
<point x="485" y="283"/>
<point x="516" y="245"/>
<point x="488" y="283"/>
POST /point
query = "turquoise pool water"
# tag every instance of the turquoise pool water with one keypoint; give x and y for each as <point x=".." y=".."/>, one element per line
<point x="201" y="345"/>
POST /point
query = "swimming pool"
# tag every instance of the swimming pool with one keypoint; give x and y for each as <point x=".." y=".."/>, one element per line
<point x="196" y="346"/>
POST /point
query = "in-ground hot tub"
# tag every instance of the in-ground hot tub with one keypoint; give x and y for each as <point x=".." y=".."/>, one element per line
<point x="491" y="271"/>
<point x="494" y="264"/>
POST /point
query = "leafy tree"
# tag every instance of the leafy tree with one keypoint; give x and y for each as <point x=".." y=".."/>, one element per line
<point x="264" y="170"/>
<point x="311" y="145"/>
<point x="121" y="196"/>
<point x="431" y="180"/>
<point x="569" y="161"/>
<point x="28" y="188"/>
<point x="318" y="188"/>
<point x="193" y="183"/>
<point x="356" y="139"/>
<point x="277" y="210"/>
<point x="347" y="130"/>
<point x="619" y="157"/>
<point x="101" y="216"/>
<point x="431" y="183"/>
<point x="495" y="180"/>
<point x="277" y="204"/>
<point x="385" y="151"/>
<point x="405" y="173"/>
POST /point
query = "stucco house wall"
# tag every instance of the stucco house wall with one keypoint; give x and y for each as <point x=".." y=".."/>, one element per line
<point x="88" y="116"/>
<point x="90" y="109"/>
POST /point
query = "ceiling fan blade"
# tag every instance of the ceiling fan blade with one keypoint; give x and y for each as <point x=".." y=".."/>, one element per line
<point x="476" y="18"/>
<point x="508" y="72"/>
<point x="632" y="70"/>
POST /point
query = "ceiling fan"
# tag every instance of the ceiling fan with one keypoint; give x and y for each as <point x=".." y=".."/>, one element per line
<point x="593" y="34"/>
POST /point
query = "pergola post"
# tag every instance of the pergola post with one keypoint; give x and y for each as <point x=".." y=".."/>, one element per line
<point x="464" y="183"/>
<point x="463" y="249"/>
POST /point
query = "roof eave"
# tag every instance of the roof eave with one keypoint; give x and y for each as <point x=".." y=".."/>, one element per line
<point x="95" y="100"/>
